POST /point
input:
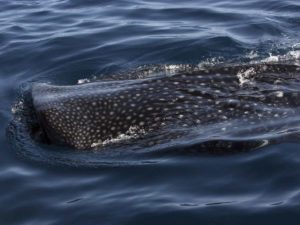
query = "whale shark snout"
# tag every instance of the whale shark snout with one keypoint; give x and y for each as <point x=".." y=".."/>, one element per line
<point x="222" y="99"/>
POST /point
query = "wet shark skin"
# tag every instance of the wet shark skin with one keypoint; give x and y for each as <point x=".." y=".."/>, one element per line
<point x="81" y="115"/>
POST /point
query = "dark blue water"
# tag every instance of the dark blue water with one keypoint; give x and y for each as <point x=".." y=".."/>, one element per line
<point x="63" y="41"/>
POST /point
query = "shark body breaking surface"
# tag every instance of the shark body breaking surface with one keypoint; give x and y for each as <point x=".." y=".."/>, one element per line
<point x="227" y="100"/>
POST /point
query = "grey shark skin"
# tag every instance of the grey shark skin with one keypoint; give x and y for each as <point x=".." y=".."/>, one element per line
<point x="224" y="97"/>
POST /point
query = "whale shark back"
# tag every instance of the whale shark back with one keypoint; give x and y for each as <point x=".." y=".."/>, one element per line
<point x="229" y="101"/>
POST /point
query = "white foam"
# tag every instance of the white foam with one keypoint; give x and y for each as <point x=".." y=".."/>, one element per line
<point x="289" y="56"/>
<point x="272" y="58"/>
<point x="245" y="76"/>
<point x="83" y="81"/>
<point x="295" y="54"/>
<point x="17" y="107"/>
<point x="210" y="62"/>
<point x="252" y="55"/>
<point x="132" y="133"/>
<point x="296" y="46"/>
<point x="172" y="69"/>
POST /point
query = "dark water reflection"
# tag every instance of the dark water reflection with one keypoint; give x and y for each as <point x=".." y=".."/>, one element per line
<point x="64" y="41"/>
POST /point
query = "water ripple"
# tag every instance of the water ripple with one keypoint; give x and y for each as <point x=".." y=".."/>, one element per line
<point x="63" y="41"/>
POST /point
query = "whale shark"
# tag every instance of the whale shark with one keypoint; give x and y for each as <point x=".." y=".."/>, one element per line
<point x="226" y="100"/>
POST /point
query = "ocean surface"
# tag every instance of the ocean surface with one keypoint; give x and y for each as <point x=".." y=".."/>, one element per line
<point x="67" y="42"/>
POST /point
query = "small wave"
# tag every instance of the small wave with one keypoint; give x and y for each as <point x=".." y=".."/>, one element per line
<point x="290" y="56"/>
